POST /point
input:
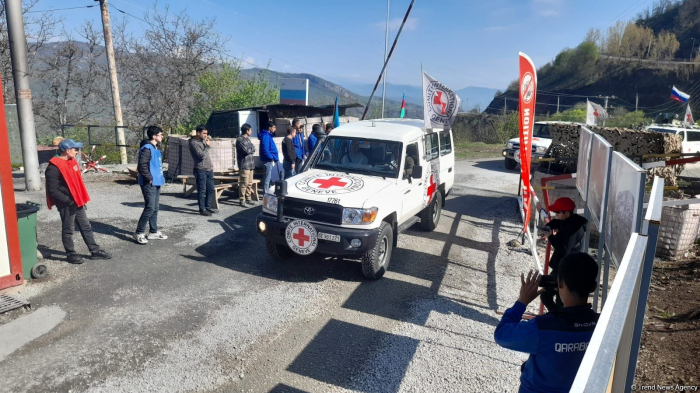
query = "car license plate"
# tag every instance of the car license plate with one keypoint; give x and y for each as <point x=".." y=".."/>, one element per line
<point x="329" y="237"/>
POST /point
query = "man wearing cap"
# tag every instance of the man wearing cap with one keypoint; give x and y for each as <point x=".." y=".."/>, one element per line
<point x="557" y="340"/>
<point x="571" y="230"/>
<point x="65" y="190"/>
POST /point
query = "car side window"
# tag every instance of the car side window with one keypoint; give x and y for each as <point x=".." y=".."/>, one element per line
<point x="445" y="143"/>
<point x="693" y="136"/>
<point x="432" y="147"/>
<point x="410" y="160"/>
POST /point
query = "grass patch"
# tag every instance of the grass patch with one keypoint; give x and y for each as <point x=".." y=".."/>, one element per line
<point x="476" y="150"/>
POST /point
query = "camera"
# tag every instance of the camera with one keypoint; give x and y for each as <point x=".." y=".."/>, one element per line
<point x="548" y="281"/>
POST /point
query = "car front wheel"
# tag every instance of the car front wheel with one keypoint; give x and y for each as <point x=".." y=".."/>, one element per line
<point x="375" y="262"/>
<point x="511" y="163"/>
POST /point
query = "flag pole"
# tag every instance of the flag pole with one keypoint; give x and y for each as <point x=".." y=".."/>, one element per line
<point x="405" y="18"/>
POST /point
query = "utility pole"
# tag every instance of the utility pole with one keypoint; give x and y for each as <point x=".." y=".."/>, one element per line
<point x="386" y="49"/>
<point x="505" y="104"/>
<point x="636" y="103"/>
<point x="558" y="104"/>
<point x="23" y="95"/>
<point x="606" y="103"/>
<point x="111" y="64"/>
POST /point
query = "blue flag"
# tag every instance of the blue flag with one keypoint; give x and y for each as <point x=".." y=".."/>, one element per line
<point x="336" y="115"/>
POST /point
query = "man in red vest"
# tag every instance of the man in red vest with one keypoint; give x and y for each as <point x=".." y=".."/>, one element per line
<point x="65" y="189"/>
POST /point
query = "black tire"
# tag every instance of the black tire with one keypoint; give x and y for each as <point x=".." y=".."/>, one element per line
<point x="375" y="262"/>
<point x="430" y="216"/>
<point x="511" y="163"/>
<point x="39" y="271"/>
<point x="277" y="251"/>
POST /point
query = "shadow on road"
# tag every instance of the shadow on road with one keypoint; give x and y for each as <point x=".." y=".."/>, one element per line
<point x="497" y="165"/>
<point x="167" y="208"/>
<point x="341" y="350"/>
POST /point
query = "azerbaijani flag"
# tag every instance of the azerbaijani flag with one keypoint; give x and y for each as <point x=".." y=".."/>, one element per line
<point x="403" y="106"/>
<point x="679" y="95"/>
<point x="336" y="115"/>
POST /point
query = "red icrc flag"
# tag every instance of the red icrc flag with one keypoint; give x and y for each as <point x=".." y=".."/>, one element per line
<point x="528" y="90"/>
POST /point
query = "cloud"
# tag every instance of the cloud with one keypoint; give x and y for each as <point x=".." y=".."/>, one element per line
<point x="248" y="62"/>
<point x="494" y="29"/>
<point x="548" y="8"/>
<point x="394" y="24"/>
<point x="548" y="13"/>
<point x="502" y="11"/>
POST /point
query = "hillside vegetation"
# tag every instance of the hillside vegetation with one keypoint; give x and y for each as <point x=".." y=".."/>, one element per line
<point x="641" y="60"/>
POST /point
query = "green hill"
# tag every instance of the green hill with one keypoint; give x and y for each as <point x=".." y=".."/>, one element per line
<point x="647" y="72"/>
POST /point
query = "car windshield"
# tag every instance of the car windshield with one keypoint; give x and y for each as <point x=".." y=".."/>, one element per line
<point x="356" y="155"/>
<point x="541" y="131"/>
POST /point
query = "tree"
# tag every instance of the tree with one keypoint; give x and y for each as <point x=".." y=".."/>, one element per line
<point x="74" y="83"/>
<point x="225" y="88"/>
<point x="507" y="127"/>
<point x="38" y="30"/>
<point x="161" y="68"/>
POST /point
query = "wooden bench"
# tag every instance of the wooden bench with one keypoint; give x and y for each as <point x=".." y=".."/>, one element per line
<point x="185" y="179"/>
<point x="225" y="183"/>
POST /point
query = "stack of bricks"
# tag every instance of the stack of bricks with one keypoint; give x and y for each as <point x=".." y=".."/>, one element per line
<point x="630" y="142"/>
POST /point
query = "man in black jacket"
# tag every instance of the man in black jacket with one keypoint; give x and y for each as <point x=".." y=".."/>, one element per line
<point x="289" y="153"/>
<point x="65" y="190"/>
<point x="203" y="170"/>
<point x="246" y="164"/>
<point x="571" y="230"/>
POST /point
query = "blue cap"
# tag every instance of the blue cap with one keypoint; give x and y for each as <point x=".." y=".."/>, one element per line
<point x="69" y="144"/>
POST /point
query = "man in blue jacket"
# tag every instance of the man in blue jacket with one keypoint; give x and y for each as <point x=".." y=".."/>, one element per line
<point x="317" y="136"/>
<point x="269" y="154"/>
<point x="299" y="145"/>
<point x="150" y="168"/>
<point x="556" y="341"/>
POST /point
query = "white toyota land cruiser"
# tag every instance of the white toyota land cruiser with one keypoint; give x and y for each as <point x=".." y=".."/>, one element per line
<point x="366" y="183"/>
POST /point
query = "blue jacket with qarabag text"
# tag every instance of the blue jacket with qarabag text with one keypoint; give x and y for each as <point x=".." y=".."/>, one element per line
<point x="556" y="342"/>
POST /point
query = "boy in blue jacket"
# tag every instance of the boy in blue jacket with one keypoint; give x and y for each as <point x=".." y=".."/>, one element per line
<point x="557" y="340"/>
<point x="269" y="154"/>
<point x="151" y="178"/>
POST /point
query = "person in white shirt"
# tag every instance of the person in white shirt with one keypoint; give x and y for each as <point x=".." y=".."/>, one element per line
<point x="355" y="156"/>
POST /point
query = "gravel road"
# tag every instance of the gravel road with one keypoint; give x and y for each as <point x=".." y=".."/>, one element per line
<point x="207" y="311"/>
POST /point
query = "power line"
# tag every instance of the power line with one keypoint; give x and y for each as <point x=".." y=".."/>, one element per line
<point x="126" y="13"/>
<point x="63" y="9"/>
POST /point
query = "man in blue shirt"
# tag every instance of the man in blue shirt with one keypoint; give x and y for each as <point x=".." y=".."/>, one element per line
<point x="269" y="154"/>
<point x="299" y="144"/>
<point x="150" y="179"/>
<point x="556" y="341"/>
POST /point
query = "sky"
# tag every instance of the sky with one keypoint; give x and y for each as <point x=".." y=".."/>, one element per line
<point x="458" y="42"/>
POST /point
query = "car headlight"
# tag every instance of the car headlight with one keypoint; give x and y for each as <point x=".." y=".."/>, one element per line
<point x="359" y="216"/>
<point x="540" y="149"/>
<point x="509" y="145"/>
<point x="270" y="203"/>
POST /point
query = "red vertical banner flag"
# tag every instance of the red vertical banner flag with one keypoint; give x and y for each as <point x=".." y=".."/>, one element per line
<point x="528" y="90"/>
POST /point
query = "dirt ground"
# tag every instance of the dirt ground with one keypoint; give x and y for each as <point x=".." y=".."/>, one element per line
<point x="671" y="336"/>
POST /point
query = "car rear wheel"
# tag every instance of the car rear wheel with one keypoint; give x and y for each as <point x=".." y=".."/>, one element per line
<point x="511" y="163"/>
<point x="430" y="216"/>
<point x="375" y="262"/>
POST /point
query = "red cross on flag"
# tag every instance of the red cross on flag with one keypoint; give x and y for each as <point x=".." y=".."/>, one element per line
<point x="595" y="114"/>
<point x="440" y="104"/>
<point x="688" y="119"/>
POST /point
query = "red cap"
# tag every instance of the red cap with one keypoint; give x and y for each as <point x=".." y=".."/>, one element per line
<point x="563" y="205"/>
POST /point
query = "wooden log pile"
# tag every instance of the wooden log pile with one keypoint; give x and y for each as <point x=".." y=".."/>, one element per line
<point x="630" y="142"/>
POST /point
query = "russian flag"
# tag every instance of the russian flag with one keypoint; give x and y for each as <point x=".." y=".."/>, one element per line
<point x="679" y="95"/>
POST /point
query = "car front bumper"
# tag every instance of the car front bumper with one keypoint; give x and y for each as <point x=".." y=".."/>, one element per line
<point x="509" y="153"/>
<point x="275" y="232"/>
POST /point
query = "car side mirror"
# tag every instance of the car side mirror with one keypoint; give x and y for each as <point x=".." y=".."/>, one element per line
<point x="417" y="172"/>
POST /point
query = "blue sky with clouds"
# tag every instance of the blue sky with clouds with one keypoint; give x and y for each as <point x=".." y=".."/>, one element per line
<point x="459" y="42"/>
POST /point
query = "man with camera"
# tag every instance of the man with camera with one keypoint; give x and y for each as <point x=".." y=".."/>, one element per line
<point x="571" y="230"/>
<point x="557" y="340"/>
